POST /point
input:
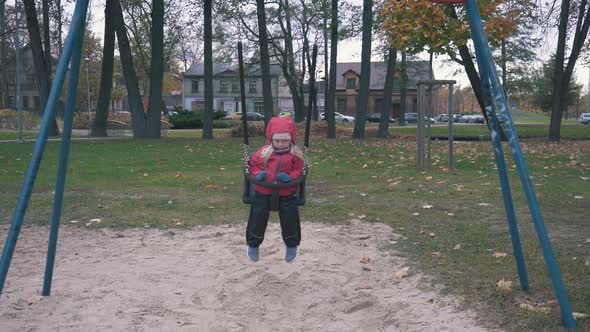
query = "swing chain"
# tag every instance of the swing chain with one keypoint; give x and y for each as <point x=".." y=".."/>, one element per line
<point x="305" y="159"/>
<point x="246" y="158"/>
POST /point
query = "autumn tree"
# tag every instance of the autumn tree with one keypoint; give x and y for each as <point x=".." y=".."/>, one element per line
<point x="421" y="25"/>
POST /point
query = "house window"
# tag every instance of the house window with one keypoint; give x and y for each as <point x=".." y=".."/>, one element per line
<point x="25" y="102"/>
<point x="252" y="88"/>
<point x="37" y="102"/>
<point x="351" y="83"/>
<point x="222" y="86"/>
<point x="195" y="86"/>
<point x="342" y="105"/>
<point x="259" y="107"/>
<point x="11" y="102"/>
<point x="235" y="88"/>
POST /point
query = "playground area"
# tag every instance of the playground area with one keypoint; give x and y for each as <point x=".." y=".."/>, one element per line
<point x="152" y="238"/>
<point x="200" y="280"/>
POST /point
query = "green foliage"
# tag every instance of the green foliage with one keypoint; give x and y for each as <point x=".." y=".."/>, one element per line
<point x="194" y="120"/>
<point x="9" y="120"/>
<point x="543" y="87"/>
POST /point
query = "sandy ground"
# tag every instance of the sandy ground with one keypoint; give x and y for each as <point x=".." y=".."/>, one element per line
<point x="200" y="280"/>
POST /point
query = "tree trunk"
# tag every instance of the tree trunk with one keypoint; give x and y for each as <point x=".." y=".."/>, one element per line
<point x="503" y="65"/>
<point x="387" y="93"/>
<point x="138" y="120"/>
<point x="331" y="98"/>
<point x="562" y="77"/>
<point x="157" y="71"/>
<point x="42" y="70"/>
<point x="99" y="127"/>
<point x="47" y="37"/>
<point x="3" y="55"/>
<point x="467" y="62"/>
<point x="59" y="26"/>
<point x="363" y="98"/>
<point x="403" y="91"/>
<point x="326" y="62"/>
<point x="208" y="49"/>
<point x="264" y="61"/>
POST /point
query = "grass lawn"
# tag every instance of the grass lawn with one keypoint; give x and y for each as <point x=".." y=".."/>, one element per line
<point x="182" y="182"/>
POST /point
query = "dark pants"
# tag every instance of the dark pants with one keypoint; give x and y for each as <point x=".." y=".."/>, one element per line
<point x="288" y="214"/>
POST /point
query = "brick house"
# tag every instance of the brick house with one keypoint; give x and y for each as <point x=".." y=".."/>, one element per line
<point x="347" y="86"/>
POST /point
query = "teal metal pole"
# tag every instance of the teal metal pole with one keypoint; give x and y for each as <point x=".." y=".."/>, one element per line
<point x="481" y="43"/>
<point x="63" y="162"/>
<point x="494" y="127"/>
<point x="49" y="113"/>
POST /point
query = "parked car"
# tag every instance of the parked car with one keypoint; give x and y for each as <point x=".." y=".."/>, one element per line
<point x="442" y="118"/>
<point x="376" y="117"/>
<point x="339" y="117"/>
<point x="250" y="116"/>
<point x="584" y="118"/>
<point x="413" y="118"/>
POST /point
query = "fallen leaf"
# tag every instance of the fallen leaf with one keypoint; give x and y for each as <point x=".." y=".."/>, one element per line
<point x="429" y="178"/>
<point x="578" y="197"/>
<point x="435" y="253"/>
<point x="457" y="247"/>
<point x="74" y="221"/>
<point x="35" y="299"/>
<point x="212" y="186"/>
<point x="585" y="178"/>
<point x="499" y="254"/>
<point x="363" y="194"/>
<point x="365" y="166"/>
<point x="579" y="315"/>
<point x="483" y="204"/>
<point x="95" y="220"/>
<point x="504" y="285"/>
<point x="416" y="213"/>
<point x="365" y="260"/>
<point x="531" y="307"/>
<point x="432" y="234"/>
<point x="366" y="268"/>
<point x="178" y="175"/>
<point x="145" y="174"/>
<point x="450" y="214"/>
<point x="427" y="206"/>
<point x="362" y="216"/>
<point x="404" y="272"/>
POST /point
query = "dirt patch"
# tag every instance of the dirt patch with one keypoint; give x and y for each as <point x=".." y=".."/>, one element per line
<point x="199" y="279"/>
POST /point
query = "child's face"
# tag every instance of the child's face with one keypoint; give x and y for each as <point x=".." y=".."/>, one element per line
<point x="281" y="144"/>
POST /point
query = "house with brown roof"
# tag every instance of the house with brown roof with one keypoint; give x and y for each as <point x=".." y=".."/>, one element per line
<point x="348" y="76"/>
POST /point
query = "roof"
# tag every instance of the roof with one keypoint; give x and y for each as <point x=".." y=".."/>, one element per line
<point x="231" y="69"/>
<point x="416" y="70"/>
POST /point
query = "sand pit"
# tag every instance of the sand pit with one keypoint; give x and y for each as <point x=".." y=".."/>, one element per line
<point x="200" y="280"/>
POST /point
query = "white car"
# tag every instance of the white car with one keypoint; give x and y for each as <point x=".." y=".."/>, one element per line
<point x="584" y="118"/>
<point x="339" y="117"/>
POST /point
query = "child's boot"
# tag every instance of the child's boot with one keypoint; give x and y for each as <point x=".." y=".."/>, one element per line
<point x="290" y="254"/>
<point x="252" y="253"/>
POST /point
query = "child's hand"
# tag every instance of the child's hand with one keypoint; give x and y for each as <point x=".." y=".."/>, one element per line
<point x="284" y="177"/>
<point x="260" y="176"/>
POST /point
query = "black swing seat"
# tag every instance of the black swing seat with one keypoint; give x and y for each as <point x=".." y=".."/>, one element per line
<point x="250" y="181"/>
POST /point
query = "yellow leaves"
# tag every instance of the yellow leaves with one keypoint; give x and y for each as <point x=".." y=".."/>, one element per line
<point x="499" y="254"/>
<point x="399" y="275"/>
<point x="212" y="186"/>
<point x="504" y="285"/>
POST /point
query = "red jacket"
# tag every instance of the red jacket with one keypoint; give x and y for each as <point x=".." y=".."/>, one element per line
<point x="278" y="162"/>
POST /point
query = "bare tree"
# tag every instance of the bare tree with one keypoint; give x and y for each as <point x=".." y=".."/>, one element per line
<point x="99" y="127"/>
<point x="363" y="98"/>
<point x="42" y="68"/>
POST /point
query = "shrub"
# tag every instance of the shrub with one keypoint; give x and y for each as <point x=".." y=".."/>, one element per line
<point x="193" y="120"/>
<point x="9" y="120"/>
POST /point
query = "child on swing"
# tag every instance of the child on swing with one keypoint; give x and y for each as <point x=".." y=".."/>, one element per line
<point x="279" y="160"/>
